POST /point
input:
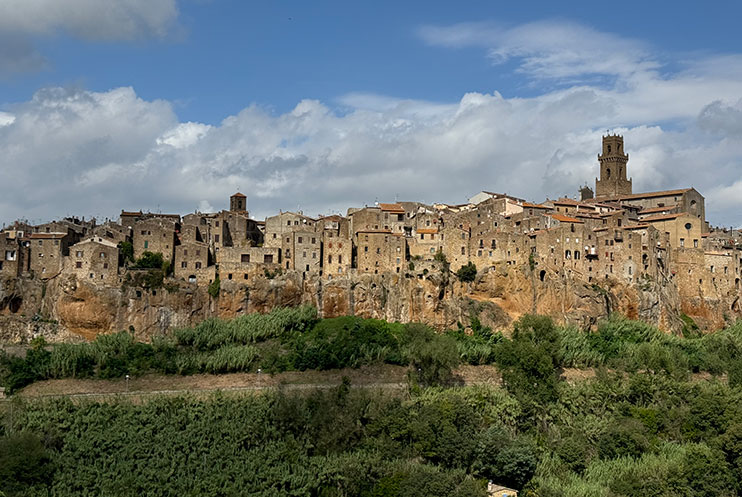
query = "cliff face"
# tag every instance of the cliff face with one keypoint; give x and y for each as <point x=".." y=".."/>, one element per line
<point x="68" y="309"/>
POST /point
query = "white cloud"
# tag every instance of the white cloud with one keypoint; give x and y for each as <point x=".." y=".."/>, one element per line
<point x="75" y="151"/>
<point x="6" y="119"/>
<point x="107" y="20"/>
<point x="548" y="49"/>
<point x="24" y="21"/>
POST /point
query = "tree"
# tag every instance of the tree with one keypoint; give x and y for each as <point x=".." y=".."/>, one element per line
<point x="126" y="251"/>
<point x="150" y="260"/>
<point x="467" y="273"/>
<point x="432" y="356"/>
<point x="24" y="462"/>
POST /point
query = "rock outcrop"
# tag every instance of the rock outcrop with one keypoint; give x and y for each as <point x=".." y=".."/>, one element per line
<point x="67" y="309"/>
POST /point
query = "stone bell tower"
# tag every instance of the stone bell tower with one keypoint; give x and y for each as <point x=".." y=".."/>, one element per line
<point x="612" y="182"/>
<point x="238" y="202"/>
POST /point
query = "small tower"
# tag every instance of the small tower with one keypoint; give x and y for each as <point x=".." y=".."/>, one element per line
<point x="238" y="203"/>
<point x="613" y="161"/>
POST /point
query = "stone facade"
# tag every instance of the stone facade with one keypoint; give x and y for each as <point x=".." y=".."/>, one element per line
<point x="156" y="235"/>
<point x="11" y="258"/>
<point x="380" y="252"/>
<point x="613" y="162"/>
<point x="47" y="251"/>
<point x="94" y="260"/>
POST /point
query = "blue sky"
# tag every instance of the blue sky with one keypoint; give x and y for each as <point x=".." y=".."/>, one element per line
<point x="166" y="104"/>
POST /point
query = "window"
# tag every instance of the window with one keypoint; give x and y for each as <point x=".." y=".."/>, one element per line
<point x="105" y="265"/>
<point x="299" y="239"/>
<point x="102" y="255"/>
<point x="314" y="240"/>
<point x="78" y="265"/>
<point x="184" y="264"/>
<point x="463" y="250"/>
<point x="304" y="253"/>
<point x="245" y="258"/>
<point x="695" y="243"/>
<point x="217" y="224"/>
<point x="146" y="244"/>
<point x="288" y="223"/>
<point x="329" y="259"/>
<point x="378" y="250"/>
<point x="185" y="251"/>
<point x="198" y="265"/>
<point x="229" y="276"/>
<point x="216" y="238"/>
<point x="682" y="242"/>
<point x="340" y="245"/>
<point x="340" y="259"/>
<point x="244" y="276"/>
<point x="422" y="236"/>
<point x="329" y="245"/>
<point x="314" y="255"/>
<point x="365" y="249"/>
<point x="78" y="253"/>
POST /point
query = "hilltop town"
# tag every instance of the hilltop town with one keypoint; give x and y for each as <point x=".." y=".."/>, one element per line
<point x="612" y="237"/>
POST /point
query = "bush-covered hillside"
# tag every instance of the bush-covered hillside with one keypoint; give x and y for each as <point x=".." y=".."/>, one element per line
<point x="644" y="425"/>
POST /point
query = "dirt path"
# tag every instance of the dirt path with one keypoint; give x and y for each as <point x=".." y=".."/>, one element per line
<point x="383" y="376"/>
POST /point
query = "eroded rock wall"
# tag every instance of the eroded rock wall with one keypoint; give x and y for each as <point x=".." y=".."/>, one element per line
<point x="65" y="309"/>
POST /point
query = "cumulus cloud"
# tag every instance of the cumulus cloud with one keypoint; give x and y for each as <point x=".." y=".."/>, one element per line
<point x="75" y="151"/>
<point x="106" y="20"/>
<point x="722" y="118"/>
<point x="22" y="21"/>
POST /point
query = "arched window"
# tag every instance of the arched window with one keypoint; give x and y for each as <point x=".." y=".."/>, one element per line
<point x="608" y="173"/>
<point x="567" y="254"/>
<point x="577" y="255"/>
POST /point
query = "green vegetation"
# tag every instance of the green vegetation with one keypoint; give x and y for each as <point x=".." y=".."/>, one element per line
<point x="126" y="252"/>
<point x="214" y="287"/>
<point x="641" y="426"/>
<point x="467" y="273"/>
<point x="150" y="260"/>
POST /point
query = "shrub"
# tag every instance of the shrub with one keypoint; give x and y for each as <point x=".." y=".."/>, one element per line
<point x="214" y="287"/>
<point x="467" y="273"/>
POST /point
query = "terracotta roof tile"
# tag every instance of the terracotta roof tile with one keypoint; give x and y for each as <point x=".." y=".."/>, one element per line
<point x="565" y="219"/>
<point x="395" y="208"/>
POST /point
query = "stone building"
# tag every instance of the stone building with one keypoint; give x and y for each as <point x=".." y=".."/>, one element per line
<point x="302" y="251"/>
<point x="95" y="260"/>
<point x="380" y="252"/>
<point x="286" y="222"/>
<point x="11" y="259"/>
<point x="389" y="217"/>
<point x="244" y="264"/>
<point x="46" y="252"/>
<point x="113" y="232"/>
<point x="156" y="235"/>
<point x="337" y="246"/>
